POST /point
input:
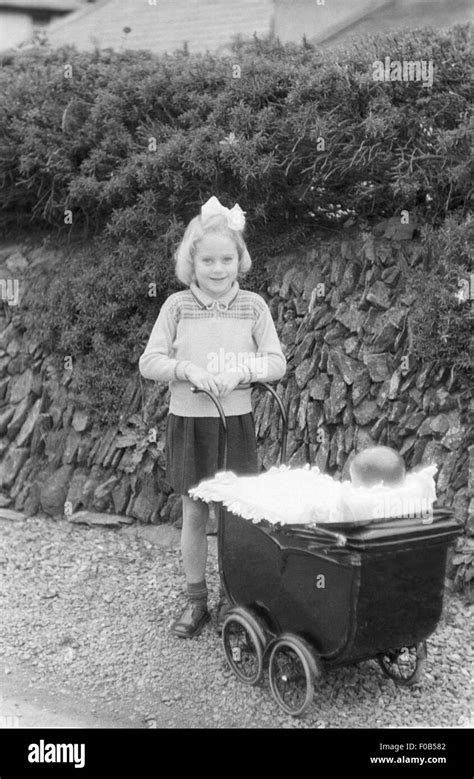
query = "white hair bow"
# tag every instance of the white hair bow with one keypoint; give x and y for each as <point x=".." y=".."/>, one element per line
<point x="235" y="216"/>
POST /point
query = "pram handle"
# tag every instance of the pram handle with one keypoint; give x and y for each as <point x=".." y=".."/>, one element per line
<point x="221" y="412"/>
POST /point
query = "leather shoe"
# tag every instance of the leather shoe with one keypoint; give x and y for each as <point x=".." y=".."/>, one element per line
<point x="191" y="621"/>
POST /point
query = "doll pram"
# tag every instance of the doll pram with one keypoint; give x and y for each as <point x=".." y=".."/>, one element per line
<point x="305" y="599"/>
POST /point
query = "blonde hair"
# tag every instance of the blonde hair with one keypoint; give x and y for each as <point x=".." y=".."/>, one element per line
<point x="184" y="255"/>
<point x="377" y="464"/>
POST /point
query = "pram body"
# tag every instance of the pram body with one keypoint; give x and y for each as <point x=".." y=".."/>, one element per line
<point x="369" y="589"/>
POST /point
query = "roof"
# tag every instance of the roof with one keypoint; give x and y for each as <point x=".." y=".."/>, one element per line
<point x="394" y="16"/>
<point x="317" y="22"/>
<point x="166" y="26"/>
<point x="59" y="6"/>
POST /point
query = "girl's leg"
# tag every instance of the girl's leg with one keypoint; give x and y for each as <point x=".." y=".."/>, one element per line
<point x="194" y="539"/>
<point x="194" y="551"/>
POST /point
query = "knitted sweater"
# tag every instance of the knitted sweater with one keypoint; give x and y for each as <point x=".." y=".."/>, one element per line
<point x="218" y="335"/>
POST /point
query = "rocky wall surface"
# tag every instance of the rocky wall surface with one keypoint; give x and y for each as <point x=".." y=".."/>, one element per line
<point x="343" y="314"/>
<point x="53" y="459"/>
<point x="342" y="310"/>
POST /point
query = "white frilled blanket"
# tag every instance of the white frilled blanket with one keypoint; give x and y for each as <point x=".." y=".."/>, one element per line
<point x="306" y="496"/>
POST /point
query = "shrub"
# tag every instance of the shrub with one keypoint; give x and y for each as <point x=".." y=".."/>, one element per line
<point x="82" y="143"/>
<point x="132" y="144"/>
<point x="441" y="318"/>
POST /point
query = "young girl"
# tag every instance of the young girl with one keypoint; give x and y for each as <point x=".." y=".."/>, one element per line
<point x="214" y="336"/>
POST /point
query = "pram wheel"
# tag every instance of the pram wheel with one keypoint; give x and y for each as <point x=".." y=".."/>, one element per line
<point x="404" y="665"/>
<point x="244" y="640"/>
<point x="292" y="672"/>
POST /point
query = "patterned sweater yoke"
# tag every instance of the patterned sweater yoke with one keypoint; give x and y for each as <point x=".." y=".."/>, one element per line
<point x="213" y="334"/>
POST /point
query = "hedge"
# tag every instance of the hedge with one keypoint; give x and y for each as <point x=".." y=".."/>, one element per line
<point x="131" y="144"/>
<point x="82" y="142"/>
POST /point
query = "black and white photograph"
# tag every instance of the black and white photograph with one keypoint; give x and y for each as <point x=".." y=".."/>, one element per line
<point x="236" y="413"/>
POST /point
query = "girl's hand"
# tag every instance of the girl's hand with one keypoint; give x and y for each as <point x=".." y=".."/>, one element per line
<point x="201" y="378"/>
<point x="227" y="382"/>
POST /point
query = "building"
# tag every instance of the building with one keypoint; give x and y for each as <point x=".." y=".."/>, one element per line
<point x="24" y="20"/>
<point x="165" y="25"/>
<point x="439" y="14"/>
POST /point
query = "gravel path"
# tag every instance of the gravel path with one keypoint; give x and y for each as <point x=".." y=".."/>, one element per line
<point x="86" y="611"/>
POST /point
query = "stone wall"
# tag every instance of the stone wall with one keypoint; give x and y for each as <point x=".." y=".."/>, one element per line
<point x="53" y="459"/>
<point x="343" y="314"/>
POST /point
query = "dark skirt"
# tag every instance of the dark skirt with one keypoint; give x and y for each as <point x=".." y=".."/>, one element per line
<point x="195" y="449"/>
